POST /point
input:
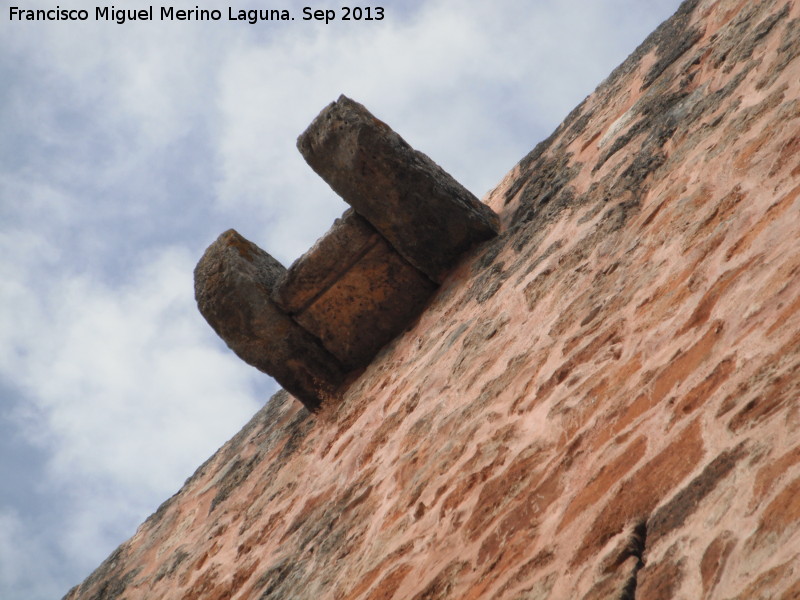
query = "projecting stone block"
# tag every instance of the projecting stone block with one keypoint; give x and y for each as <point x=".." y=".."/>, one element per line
<point x="425" y="214"/>
<point x="353" y="291"/>
<point x="233" y="284"/>
<point x="349" y="238"/>
<point x="362" y="283"/>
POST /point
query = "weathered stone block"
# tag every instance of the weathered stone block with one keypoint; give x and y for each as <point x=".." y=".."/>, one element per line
<point x="425" y="214"/>
<point x="353" y="291"/>
<point x="363" y="282"/>
<point x="233" y="284"/>
<point x="348" y="239"/>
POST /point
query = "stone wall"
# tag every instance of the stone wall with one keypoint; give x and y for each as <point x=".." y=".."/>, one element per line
<point x="601" y="402"/>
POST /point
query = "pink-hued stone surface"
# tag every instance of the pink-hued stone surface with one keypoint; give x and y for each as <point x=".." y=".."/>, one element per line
<point x="353" y="291"/>
<point x="603" y="402"/>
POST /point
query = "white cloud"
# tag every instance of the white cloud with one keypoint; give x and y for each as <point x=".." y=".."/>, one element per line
<point x="132" y="370"/>
<point x="128" y="392"/>
<point x="10" y="535"/>
<point x="19" y="549"/>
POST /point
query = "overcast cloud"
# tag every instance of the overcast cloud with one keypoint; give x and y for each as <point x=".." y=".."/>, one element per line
<point x="126" y="149"/>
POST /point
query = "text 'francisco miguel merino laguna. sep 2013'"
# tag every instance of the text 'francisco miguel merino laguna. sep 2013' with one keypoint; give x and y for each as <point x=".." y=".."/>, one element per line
<point x="170" y="13"/>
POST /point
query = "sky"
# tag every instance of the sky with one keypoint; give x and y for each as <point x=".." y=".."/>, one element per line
<point x="125" y="149"/>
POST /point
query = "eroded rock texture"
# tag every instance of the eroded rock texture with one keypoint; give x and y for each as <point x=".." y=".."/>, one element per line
<point x="425" y="214"/>
<point x="233" y="287"/>
<point x="602" y="402"/>
<point x="353" y="291"/>
<point x="365" y="281"/>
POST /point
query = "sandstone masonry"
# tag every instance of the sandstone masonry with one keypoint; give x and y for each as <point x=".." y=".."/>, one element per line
<point x="601" y="402"/>
<point x="364" y="281"/>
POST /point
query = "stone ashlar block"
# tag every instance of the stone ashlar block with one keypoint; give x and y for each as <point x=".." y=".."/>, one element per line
<point x="425" y="214"/>
<point x="353" y="291"/>
<point x="233" y="286"/>
<point x="364" y="281"/>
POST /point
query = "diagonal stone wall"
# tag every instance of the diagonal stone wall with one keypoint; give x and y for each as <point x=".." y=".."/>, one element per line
<point x="601" y="402"/>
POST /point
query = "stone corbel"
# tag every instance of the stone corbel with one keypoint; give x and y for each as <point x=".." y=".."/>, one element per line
<point x="365" y="280"/>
